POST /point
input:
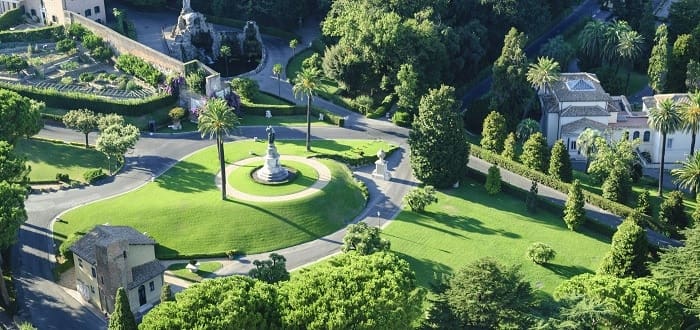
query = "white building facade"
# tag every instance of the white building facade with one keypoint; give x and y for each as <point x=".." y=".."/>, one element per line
<point x="49" y="12"/>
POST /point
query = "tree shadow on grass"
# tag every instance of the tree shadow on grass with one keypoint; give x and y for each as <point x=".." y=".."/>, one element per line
<point x="187" y="177"/>
<point x="290" y="223"/>
<point x="60" y="155"/>
<point x="428" y="272"/>
<point x="468" y="224"/>
<point x="567" y="271"/>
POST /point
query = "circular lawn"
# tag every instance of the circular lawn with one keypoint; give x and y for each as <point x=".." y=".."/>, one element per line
<point x="241" y="179"/>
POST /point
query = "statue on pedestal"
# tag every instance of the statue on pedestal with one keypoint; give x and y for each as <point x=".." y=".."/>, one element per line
<point x="270" y="135"/>
<point x="381" y="171"/>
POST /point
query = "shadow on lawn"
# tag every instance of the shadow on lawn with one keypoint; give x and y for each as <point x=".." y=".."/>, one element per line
<point x="462" y="224"/>
<point x="187" y="177"/>
<point x="60" y="155"/>
<point x="567" y="272"/>
<point x="290" y="223"/>
<point x="428" y="272"/>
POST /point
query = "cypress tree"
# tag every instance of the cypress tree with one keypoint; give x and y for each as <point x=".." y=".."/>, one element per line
<point x="494" y="132"/>
<point x="643" y="204"/>
<point x="531" y="199"/>
<point x="574" y="214"/>
<point x="628" y="251"/>
<point x="618" y="185"/>
<point x="658" y="62"/>
<point x="493" y="180"/>
<point x="509" y="147"/>
<point x="560" y="163"/>
<point x="672" y="211"/>
<point x="122" y="318"/>
<point x="166" y="293"/>
<point x="535" y="152"/>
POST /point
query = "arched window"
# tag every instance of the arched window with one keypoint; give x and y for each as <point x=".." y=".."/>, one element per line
<point x="647" y="136"/>
<point x="635" y="135"/>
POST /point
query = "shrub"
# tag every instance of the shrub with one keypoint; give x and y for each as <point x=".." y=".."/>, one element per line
<point x="63" y="177"/>
<point x="494" y="132"/>
<point x="176" y="113"/>
<point x="139" y="68"/>
<point x="77" y="31"/>
<point x="65" y="45"/>
<point x="493" y="180"/>
<point x="232" y="253"/>
<point x="196" y="81"/>
<point x="418" y="198"/>
<point x="535" y="152"/>
<point x="540" y="253"/>
<point x="101" y="53"/>
<point x="66" y="80"/>
<point x="11" y="18"/>
<point x="364" y="104"/>
<point x="401" y="118"/>
<point x="509" y="150"/>
<point x="560" y="163"/>
<point x="245" y="87"/>
<point x="531" y="199"/>
<point x="50" y="33"/>
<point x="574" y="214"/>
<point x="643" y="204"/>
<point x="70" y="65"/>
<point x="132" y="86"/>
<point x="672" y="212"/>
<point x="86" y="77"/>
<point x="92" y="176"/>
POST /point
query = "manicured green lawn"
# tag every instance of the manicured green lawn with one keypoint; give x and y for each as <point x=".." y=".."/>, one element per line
<point x="183" y="211"/>
<point x="48" y="158"/>
<point x="241" y="180"/>
<point x="206" y="270"/>
<point x="293" y="120"/>
<point x="637" y="80"/>
<point x="187" y="126"/>
<point x="467" y="224"/>
<point x="265" y="98"/>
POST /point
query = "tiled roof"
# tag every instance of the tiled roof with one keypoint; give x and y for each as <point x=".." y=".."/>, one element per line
<point x="630" y="122"/>
<point x="650" y="102"/>
<point x="583" y="111"/>
<point x="85" y="247"/>
<point x="579" y="87"/>
<point x="582" y="124"/>
<point x="143" y="273"/>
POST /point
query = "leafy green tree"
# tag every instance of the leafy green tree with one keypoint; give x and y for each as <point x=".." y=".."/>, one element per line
<point x="364" y="239"/>
<point x="272" y="270"/>
<point x="115" y="140"/>
<point x="293" y="44"/>
<point x="620" y="153"/>
<point x="617" y="186"/>
<point x="531" y="199"/>
<point x="82" y="120"/>
<point x="672" y="211"/>
<point x="122" y="318"/>
<point x="574" y="214"/>
<point x="677" y="271"/>
<point x="683" y="17"/>
<point x="245" y="87"/>
<point x="12" y="216"/>
<point x="628" y="251"/>
<point x="407" y="90"/>
<point x="684" y="49"/>
<point x="277" y="71"/>
<point x="226" y="52"/>
<point x="19" y="116"/>
<point x="13" y="168"/>
<point x="690" y="114"/>
<point x="586" y="143"/>
<point x="494" y="132"/>
<point x="493" y="180"/>
<point x="307" y="83"/>
<point x="692" y="80"/>
<point x="535" y="152"/>
<point x="540" y="253"/>
<point x="526" y="128"/>
<point x="658" y="62"/>
<point x="234" y="302"/>
<point x="418" y="198"/>
<point x="560" y="163"/>
<point x="666" y="119"/>
<point x="486" y="294"/>
<point x="688" y="175"/>
<point x="378" y="291"/>
<point x="634" y="303"/>
<point x="643" y="204"/>
<point x="166" y="293"/>
<point x="216" y="120"/>
<point x="558" y="49"/>
<point x="509" y="147"/>
<point x="104" y="121"/>
<point x="439" y="151"/>
<point x="510" y="91"/>
<point x="542" y="74"/>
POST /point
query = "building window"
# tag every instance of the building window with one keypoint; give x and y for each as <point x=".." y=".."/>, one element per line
<point x="102" y="279"/>
<point x="152" y="286"/>
<point x="92" y="288"/>
<point x="94" y="272"/>
<point x="80" y="263"/>
<point x="54" y="18"/>
<point x="573" y="145"/>
<point x="33" y="12"/>
<point x="647" y="135"/>
<point x="14" y="6"/>
<point x="124" y="254"/>
<point x="88" y="12"/>
<point x="635" y="135"/>
<point x="669" y="144"/>
<point x="97" y="9"/>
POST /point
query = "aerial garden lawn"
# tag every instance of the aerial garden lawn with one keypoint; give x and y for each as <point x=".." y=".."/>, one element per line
<point x="183" y="211"/>
<point x="48" y="158"/>
<point x="467" y="224"/>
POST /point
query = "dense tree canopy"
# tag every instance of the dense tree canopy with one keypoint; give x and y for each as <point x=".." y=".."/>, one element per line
<point x="628" y="251"/>
<point x="19" y="116"/>
<point x="81" y="120"/>
<point x="493" y="134"/>
<point x="364" y="239"/>
<point x="271" y="270"/>
<point x="12" y="166"/>
<point x="510" y="92"/>
<point x="12" y="212"/>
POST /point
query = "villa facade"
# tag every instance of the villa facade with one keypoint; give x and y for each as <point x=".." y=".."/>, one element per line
<point x="49" y="12"/>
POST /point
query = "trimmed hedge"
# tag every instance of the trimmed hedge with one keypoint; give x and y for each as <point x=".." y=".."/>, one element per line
<point x="11" y="18"/>
<point x="94" y="175"/>
<point x="49" y="33"/>
<point x="597" y="200"/>
<point x="263" y="29"/>
<point x="75" y="100"/>
<point x="351" y="158"/>
<point x="289" y="110"/>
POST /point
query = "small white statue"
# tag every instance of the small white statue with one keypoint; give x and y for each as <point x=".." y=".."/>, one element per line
<point x="268" y="114"/>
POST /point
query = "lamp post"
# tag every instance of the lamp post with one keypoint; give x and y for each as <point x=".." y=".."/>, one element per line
<point x="379" y="218"/>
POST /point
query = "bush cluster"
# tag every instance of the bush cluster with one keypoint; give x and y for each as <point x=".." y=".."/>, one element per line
<point x="14" y="63"/>
<point x="418" y="198"/>
<point x="63" y="177"/>
<point x="540" y="253"/>
<point x="86" y="77"/>
<point x="49" y="33"/>
<point x="11" y="18"/>
<point x="139" y="68"/>
<point x="65" y="45"/>
<point x="92" y="176"/>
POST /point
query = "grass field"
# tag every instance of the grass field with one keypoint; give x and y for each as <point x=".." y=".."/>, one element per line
<point x="265" y="98"/>
<point x="183" y="211"/>
<point x="241" y="180"/>
<point x="467" y="224"/>
<point x="48" y="158"/>
<point x="206" y="270"/>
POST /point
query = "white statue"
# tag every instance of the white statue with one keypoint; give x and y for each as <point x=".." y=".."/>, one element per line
<point x="186" y="5"/>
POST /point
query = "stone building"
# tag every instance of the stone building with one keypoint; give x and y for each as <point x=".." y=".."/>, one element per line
<point x="110" y="257"/>
<point x="49" y="12"/>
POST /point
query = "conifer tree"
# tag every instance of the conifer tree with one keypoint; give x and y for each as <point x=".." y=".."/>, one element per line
<point x="494" y="132"/>
<point x="493" y="180"/>
<point x="122" y="318"/>
<point x="560" y="163"/>
<point x="618" y="185"/>
<point x="658" y="62"/>
<point x="535" y="152"/>
<point x="574" y="214"/>
<point x="643" y="204"/>
<point x="628" y="251"/>
<point x="531" y="199"/>
<point x="166" y="293"/>
<point x="509" y="147"/>
<point x="672" y="211"/>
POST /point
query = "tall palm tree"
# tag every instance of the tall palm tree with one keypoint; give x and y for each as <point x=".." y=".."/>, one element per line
<point x="688" y="175"/>
<point x="691" y="118"/>
<point x="216" y="120"/>
<point x="586" y="143"/>
<point x="629" y="47"/>
<point x="307" y="83"/>
<point x="665" y="119"/>
<point x="543" y="73"/>
<point x="613" y="33"/>
<point x="592" y="39"/>
<point x="277" y="71"/>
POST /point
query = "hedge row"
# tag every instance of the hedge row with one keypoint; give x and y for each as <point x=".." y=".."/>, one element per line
<point x="355" y="159"/>
<point x="263" y="29"/>
<point x="75" y="100"/>
<point x="138" y="67"/>
<point x="594" y="199"/>
<point x="49" y="33"/>
<point x="289" y="110"/>
<point x="11" y="18"/>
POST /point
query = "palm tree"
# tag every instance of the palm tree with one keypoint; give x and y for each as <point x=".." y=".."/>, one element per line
<point x="613" y="33"/>
<point x="586" y="143"/>
<point x="688" y="175"/>
<point x="629" y="47"/>
<point x="592" y="39"/>
<point x="543" y="73"/>
<point x="307" y="82"/>
<point x="525" y="128"/>
<point x="691" y="118"/>
<point x="277" y="71"/>
<point x="665" y="118"/>
<point x="216" y="119"/>
<point x="226" y="52"/>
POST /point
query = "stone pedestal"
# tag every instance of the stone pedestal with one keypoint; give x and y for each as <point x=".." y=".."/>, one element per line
<point x="381" y="171"/>
<point x="272" y="171"/>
